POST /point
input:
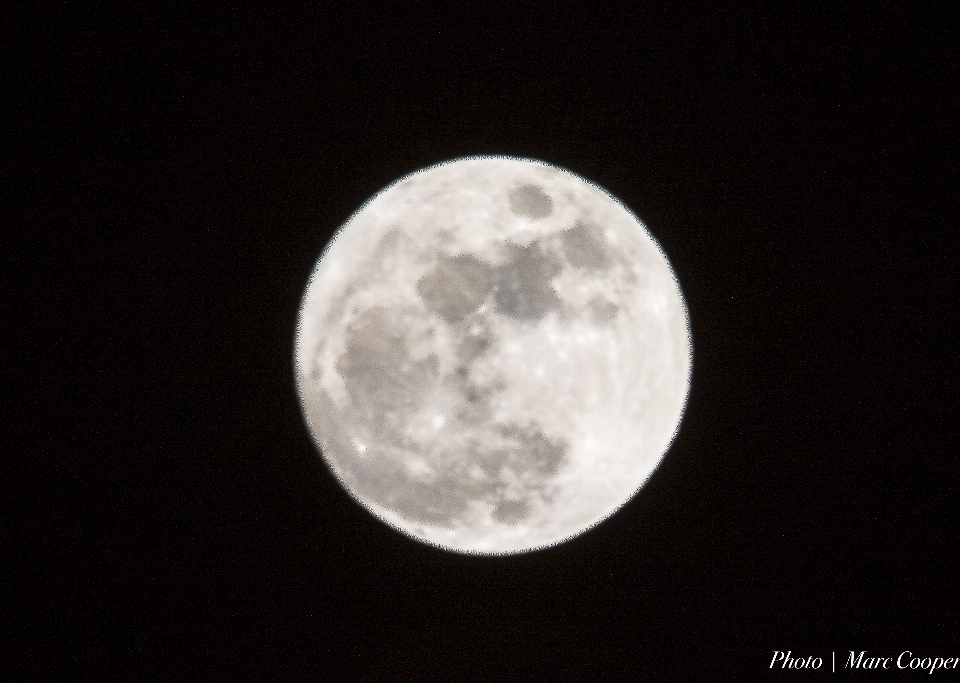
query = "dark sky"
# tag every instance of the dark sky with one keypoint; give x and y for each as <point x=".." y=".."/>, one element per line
<point x="169" y="179"/>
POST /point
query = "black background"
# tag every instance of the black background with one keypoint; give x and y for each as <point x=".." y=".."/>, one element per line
<point x="170" y="178"/>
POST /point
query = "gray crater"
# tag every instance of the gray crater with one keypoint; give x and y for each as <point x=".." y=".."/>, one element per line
<point x="530" y="201"/>
<point x="521" y="286"/>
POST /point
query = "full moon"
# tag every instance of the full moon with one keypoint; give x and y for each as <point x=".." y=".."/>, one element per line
<point x="493" y="355"/>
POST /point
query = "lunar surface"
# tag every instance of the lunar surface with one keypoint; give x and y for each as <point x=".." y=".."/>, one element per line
<point x="493" y="355"/>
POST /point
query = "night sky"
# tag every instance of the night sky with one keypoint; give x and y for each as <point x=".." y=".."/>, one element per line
<point x="169" y="178"/>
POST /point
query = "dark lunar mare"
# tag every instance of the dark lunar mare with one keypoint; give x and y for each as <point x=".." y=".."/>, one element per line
<point x="383" y="478"/>
<point x="510" y="511"/>
<point x="521" y="286"/>
<point x="386" y="386"/>
<point x="377" y="367"/>
<point x="584" y="247"/>
<point x="602" y="310"/>
<point x="530" y="201"/>
<point x="456" y="286"/>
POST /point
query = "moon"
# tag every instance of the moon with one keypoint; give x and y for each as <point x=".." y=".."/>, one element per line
<point x="493" y="355"/>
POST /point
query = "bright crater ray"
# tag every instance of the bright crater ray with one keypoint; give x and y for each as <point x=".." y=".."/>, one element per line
<point x="493" y="355"/>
